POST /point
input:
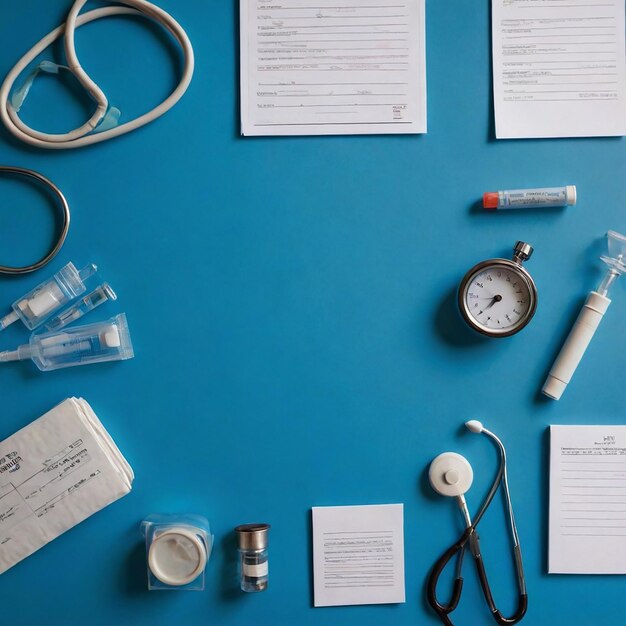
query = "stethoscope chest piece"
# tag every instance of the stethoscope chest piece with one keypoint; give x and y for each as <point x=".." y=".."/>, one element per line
<point x="450" y="474"/>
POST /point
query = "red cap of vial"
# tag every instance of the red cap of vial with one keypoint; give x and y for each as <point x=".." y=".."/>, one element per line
<point x="490" y="200"/>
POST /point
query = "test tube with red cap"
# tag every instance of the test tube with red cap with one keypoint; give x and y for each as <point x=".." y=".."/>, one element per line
<point x="530" y="198"/>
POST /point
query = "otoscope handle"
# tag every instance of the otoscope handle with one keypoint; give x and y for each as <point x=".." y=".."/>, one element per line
<point x="575" y="345"/>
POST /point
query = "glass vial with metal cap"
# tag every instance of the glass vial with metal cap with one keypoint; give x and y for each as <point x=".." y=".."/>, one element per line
<point x="253" y="540"/>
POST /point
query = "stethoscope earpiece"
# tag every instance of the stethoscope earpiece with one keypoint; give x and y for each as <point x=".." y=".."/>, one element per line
<point x="474" y="426"/>
<point x="450" y="474"/>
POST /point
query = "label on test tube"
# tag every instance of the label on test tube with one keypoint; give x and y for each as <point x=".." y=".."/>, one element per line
<point x="255" y="571"/>
<point x="530" y="198"/>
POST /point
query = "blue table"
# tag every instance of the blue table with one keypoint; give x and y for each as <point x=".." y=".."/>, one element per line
<point x="291" y="303"/>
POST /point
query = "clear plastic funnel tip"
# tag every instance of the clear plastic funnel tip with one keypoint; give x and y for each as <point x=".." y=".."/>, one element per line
<point x="616" y="255"/>
<point x="615" y="258"/>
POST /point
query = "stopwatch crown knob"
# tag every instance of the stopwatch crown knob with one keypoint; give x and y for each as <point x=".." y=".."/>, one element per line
<point x="522" y="251"/>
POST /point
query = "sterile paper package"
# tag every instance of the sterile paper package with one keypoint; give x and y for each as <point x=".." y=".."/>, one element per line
<point x="55" y="473"/>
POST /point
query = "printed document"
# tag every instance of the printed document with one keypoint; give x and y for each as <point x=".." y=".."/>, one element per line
<point x="587" y="500"/>
<point x="358" y="554"/>
<point x="559" y="68"/>
<point x="54" y="473"/>
<point x="332" y="67"/>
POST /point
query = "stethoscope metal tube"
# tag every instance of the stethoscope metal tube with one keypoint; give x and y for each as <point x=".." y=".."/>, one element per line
<point x="65" y="212"/>
<point x="471" y="536"/>
<point x="519" y="568"/>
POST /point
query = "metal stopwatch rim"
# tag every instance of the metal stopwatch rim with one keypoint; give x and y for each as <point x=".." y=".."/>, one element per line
<point x="513" y="265"/>
<point x="65" y="210"/>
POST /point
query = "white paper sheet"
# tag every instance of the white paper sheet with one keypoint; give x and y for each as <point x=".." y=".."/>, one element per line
<point x="559" y="68"/>
<point x="587" y="500"/>
<point x="54" y="473"/>
<point x="358" y="554"/>
<point x="333" y="67"/>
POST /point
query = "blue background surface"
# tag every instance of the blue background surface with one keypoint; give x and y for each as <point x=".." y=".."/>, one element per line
<point x="291" y="303"/>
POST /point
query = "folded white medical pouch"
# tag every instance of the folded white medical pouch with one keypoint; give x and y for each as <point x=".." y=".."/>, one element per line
<point x="54" y="473"/>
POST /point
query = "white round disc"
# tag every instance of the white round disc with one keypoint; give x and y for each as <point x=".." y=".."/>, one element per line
<point x="177" y="556"/>
<point x="450" y="474"/>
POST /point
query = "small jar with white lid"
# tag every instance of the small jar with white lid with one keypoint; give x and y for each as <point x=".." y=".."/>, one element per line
<point x="178" y="548"/>
<point x="253" y="542"/>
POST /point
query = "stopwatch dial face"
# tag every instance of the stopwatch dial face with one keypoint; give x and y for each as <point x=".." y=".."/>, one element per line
<point x="498" y="299"/>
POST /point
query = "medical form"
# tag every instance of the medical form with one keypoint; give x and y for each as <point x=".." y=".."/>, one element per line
<point x="559" y="68"/>
<point x="54" y="473"/>
<point x="358" y="554"/>
<point x="332" y="67"/>
<point x="587" y="500"/>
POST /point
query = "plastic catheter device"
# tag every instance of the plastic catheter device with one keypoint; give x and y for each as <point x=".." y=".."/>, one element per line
<point x="87" y="303"/>
<point x="80" y="345"/>
<point x="104" y="120"/>
<point x="49" y="297"/>
<point x="588" y="319"/>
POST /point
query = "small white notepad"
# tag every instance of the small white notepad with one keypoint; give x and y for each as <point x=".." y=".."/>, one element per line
<point x="358" y="554"/>
<point x="587" y="500"/>
<point x="333" y="67"/>
<point x="54" y="473"/>
<point x="559" y="68"/>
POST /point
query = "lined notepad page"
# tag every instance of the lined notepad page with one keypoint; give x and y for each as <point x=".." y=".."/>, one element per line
<point x="559" y="68"/>
<point x="319" y="67"/>
<point x="587" y="500"/>
<point x="358" y="555"/>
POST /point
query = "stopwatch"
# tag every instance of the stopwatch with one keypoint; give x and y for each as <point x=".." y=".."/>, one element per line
<point x="498" y="297"/>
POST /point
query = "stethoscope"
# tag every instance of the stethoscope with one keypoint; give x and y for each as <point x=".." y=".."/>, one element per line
<point x="451" y="474"/>
<point x="64" y="208"/>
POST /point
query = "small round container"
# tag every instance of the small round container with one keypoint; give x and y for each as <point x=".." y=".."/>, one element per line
<point x="253" y="542"/>
<point x="177" y="556"/>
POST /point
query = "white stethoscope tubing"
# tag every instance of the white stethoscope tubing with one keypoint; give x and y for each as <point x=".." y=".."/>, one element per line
<point x="79" y="136"/>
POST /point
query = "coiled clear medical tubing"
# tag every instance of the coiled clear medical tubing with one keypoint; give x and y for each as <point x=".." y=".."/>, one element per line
<point x="84" y="135"/>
